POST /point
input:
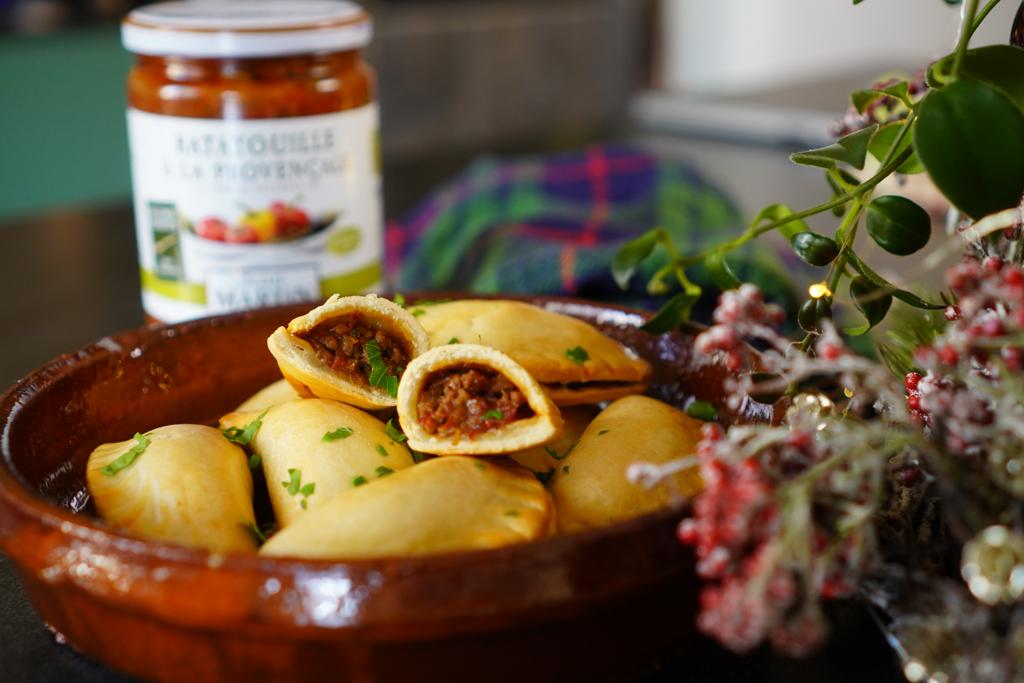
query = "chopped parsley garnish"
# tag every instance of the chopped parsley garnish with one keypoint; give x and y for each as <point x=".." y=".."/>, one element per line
<point x="453" y="340"/>
<point x="417" y="312"/>
<point x="393" y="431"/>
<point x="480" y="465"/>
<point x="295" y="486"/>
<point x="256" y="532"/>
<point x="359" y="481"/>
<point x="577" y="355"/>
<point x="554" y="454"/>
<point x="399" y="299"/>
<point x="379" y="375"/>
<point x="384" y="471"/>
<point x="126" y="459"/>
<point x="494" y="415"/>
<point x="339" y="433"/>
<point x="243" y="436"/>
<point x="603" y="432"/>
<point x="544" y="477"/>
<point x="417" y="457"/>
<point x="702" y="410"/>
<point x="383" y="451"/>
<point x="565" y="469"/>
<point x="255" y="461"/>
<point x="511" y="513"/>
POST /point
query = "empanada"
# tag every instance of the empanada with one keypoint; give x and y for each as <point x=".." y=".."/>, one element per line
<point x="473" y="400"/>
<point x="591" y="489"/>
<point x="314" y="449"/>
<point x="271" y="395"/>
<point x="547" y="458"/>
<point x="182" y="483"/>
<point x="574" y="361"/>
<point x="352" y="349"/>
<point x="441" y="505"/>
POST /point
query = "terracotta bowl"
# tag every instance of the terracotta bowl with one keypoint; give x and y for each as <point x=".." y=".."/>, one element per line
<point x="607" y="604"/>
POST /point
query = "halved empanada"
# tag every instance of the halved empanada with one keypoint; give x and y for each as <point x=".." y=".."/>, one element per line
<point x="314" y="449"/>
<point x="591" y="489"/>
<point x="271" y="395"/>
<point x="574" y="361"/>
<point x="441" y="505"/>
<point x="184" y="483"/>
<point x="352" y="349"/>
<point x="473" y="400"/>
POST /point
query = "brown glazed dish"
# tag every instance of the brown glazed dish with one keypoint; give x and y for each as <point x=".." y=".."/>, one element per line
<point x="602" y="605"/>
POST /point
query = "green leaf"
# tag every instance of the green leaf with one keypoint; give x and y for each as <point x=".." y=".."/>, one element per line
<point x="384" y="471"/>
<point x="393" y="431"/>
<point x="631" y="255"/>
<point x="702" y="410"/>
<point x="382" y="451"/>
<point x="720" y="272"/>
<point x="243" y="436"/>
<point x="777" y="212"/>
<point x="881" y="142"/>
<point x="358" y="481"/>
<point x="577" y="355"/>
<point x="1000" y="66"/>
<point x="970" y="138"/>
<point x="861" y="99"/>
<point x="399" y="299"/>
<point x="126" y="459"/>
<point x="871" y="300"/>
<point x="294" y="481"/>
<point x="851" y="149"/>
<point x="544" y="477"/>
<point x="255" y="461"/>
<point x="814" y="249"/>
<point x="379" y="375"/>
<point x="494" y="415"/>
<point x="673" y="313"/>
<point x="898" y="225"/>
<point x="879" y="281"/>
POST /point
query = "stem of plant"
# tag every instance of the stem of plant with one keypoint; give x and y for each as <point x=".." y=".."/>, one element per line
<point x="966" y="31"/>
<point x="989" y="6"/>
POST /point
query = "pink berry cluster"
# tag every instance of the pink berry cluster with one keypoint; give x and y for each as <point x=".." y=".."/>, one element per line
<point x="741" y="314"/>
<point x="767" y="549"/>
<point x="959" y="397"/>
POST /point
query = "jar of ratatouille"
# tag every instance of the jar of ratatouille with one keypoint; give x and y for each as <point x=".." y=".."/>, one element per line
<point x="255" y="154"/>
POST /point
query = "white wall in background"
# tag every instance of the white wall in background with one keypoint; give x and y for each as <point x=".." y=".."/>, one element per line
<point x="731" y="46"/>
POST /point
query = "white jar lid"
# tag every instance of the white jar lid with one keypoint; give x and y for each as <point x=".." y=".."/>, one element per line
<point x="246" y="28"/>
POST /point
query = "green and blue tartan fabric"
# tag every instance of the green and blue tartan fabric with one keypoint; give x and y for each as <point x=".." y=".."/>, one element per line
<point x="552" y="224"/>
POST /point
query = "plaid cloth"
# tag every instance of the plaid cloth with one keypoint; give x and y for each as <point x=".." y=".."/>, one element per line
<point x="552" y="224"/>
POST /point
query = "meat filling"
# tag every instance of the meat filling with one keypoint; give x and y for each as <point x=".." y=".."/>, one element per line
<point x="468" y="401"/>
<point x="340" y="343"/>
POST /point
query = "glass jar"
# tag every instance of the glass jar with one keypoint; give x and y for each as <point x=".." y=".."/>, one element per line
<point x="254" y="142"/>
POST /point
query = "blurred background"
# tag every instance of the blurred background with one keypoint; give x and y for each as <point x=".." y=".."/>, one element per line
<point x="726" y="83"/>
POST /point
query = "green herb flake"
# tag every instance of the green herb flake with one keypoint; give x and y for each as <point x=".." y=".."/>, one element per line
<point x="339" y="433"/>
<point x="383" y="451"/>
<point x="494" y="415"/>
<point x="295" y="486"/>
<point x="702" y="410"/>
<point x="126" y="459"/>
<point x="255" y="531"/>
<point x="554" y="454"/>
<point x="577" y="355"/>
<point x="384" y="471"/>
<point x="417" y="312"/>
<point x="511" y="513"/>
<point x="480" y="465"/>
<point x="243" y="436"/>
<point x="394" y="432"/>
<point x="255" y="461"/>
<point x="418" y="457"/>
<point x="379" y="375"/>
<point x="544" y="477"/>
<point x="359" y="481"/>
<point x="603" y="432"/>
<point x="453" y="340"/>
<point x="565" y="469"/>
<point x="399" y="299"/>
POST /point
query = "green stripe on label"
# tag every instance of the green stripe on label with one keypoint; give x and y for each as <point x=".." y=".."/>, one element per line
<point x="352" y="283"/>
<point x="190" y="292"/>
<point x="195" y="293"/>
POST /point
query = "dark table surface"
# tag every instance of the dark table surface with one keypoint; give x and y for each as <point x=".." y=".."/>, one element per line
<point x="70" y="278"/>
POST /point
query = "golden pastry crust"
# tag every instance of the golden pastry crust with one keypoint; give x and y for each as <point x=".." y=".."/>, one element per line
<point x="441" y="505"/>
<point x="594" y="491"/>
<point x="269" y="396"/>
<point x="190" y="486"/>
<point x="292" y="437"/>
<point x="541" y="427"/>
<point x="538" y="340"/>
<point x="540" y="459"/>
<point x="304" y="370"/>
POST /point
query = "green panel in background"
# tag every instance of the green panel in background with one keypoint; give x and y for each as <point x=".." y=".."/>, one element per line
<point x="62" y="122"/>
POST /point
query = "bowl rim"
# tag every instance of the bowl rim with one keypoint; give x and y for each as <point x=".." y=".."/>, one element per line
<point x="16" y="493"/>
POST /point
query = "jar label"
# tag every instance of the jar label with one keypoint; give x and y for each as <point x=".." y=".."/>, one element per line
<point x="235" y="214"/>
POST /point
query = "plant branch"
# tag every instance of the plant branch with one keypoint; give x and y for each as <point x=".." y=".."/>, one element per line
<point x="989" y="6"/>
<point x="966" y="31"/>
